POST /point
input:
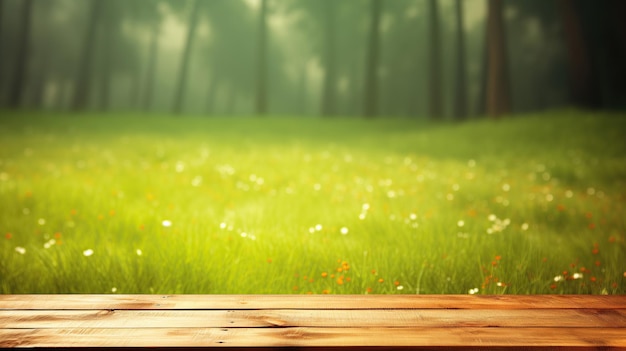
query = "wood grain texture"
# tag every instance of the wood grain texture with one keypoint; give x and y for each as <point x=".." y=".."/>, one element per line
<point x="313" y="337"/>
<point x="569" y="318"/>
<point x="330" y="322"/>
<point x="239" y="302"/>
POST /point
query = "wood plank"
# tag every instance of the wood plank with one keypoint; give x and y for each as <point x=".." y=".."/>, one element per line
<point x="614" y="338"/>
<point x="570" y="318"/>
<point x="242" y="302"/>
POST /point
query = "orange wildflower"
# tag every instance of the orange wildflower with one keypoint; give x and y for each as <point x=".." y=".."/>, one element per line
<point x="381" y="280"/>
<point x="324" y="274"/>
<point x="8" y="236"/>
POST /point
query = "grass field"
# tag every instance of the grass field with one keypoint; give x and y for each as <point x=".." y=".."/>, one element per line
<point x="155" y="204"/>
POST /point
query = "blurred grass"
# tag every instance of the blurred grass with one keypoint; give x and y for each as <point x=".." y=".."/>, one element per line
<point x="299" y="205"/>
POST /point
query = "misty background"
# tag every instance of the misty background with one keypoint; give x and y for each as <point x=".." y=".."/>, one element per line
<point x="450" y="59"/>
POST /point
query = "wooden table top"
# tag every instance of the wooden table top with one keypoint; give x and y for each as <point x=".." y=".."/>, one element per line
<point x="314" y="321"/>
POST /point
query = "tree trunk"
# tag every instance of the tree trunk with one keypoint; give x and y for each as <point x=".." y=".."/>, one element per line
<point x="40" y="81"/>
<point x="328" y="99"/>
<point x="498" y="95"/>
<point x="619" y="14"/>
<point x="107" y="48"/>
<point x="261" y="87"/>
<point x="22" y="56"/>
<point x="152" y="61"/>
<point x="1" y="53"/>
<point x="460" y="91"/>
<point x="481" y="105"/>
<point x="435" y="82"/>
<point x="184" y="67"/>
<point x="355" y="94"/>
<point x="83" y="78"/>
<point x="371" y="66"/>
<point x="212" y="90"/>
<point x="302" y="91"/>
<point x="584" y="90"/>
<point x="617" y="33"/>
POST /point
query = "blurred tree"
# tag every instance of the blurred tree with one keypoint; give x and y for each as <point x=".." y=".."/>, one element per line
<point x="107" y="44"/>
<point x="40" y="54"/>
<point x="329" y="92"/>
<point x="497" y="95"/>
<point x="147" y="16"/>
<point x="617" y="27"/>
<point x="82" y="84"/>
<point x="460" y="92"/>
<point x="261" y="84"/>
<point x="153" y="53"/>
<point x="1" y="51"/>
<point x="371" y="67"/>
<point x="184" y="66"/>
<point x="618" y="10"/>
<point x="317" y="41"/>
<point x="22" y="55"/>
<point x="303" y="91"/>
<point x="154" y="26"/>
<point x="229" y="55"/>
<point x="584" y="91"/>
<point x="536" y="55"/>
<point x="434" y="49"/>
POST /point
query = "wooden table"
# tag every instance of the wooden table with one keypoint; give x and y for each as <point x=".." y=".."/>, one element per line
<point x="317" y="322"/>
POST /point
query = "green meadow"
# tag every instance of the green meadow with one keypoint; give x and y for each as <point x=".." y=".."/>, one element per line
<point x="531" y="204"/>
